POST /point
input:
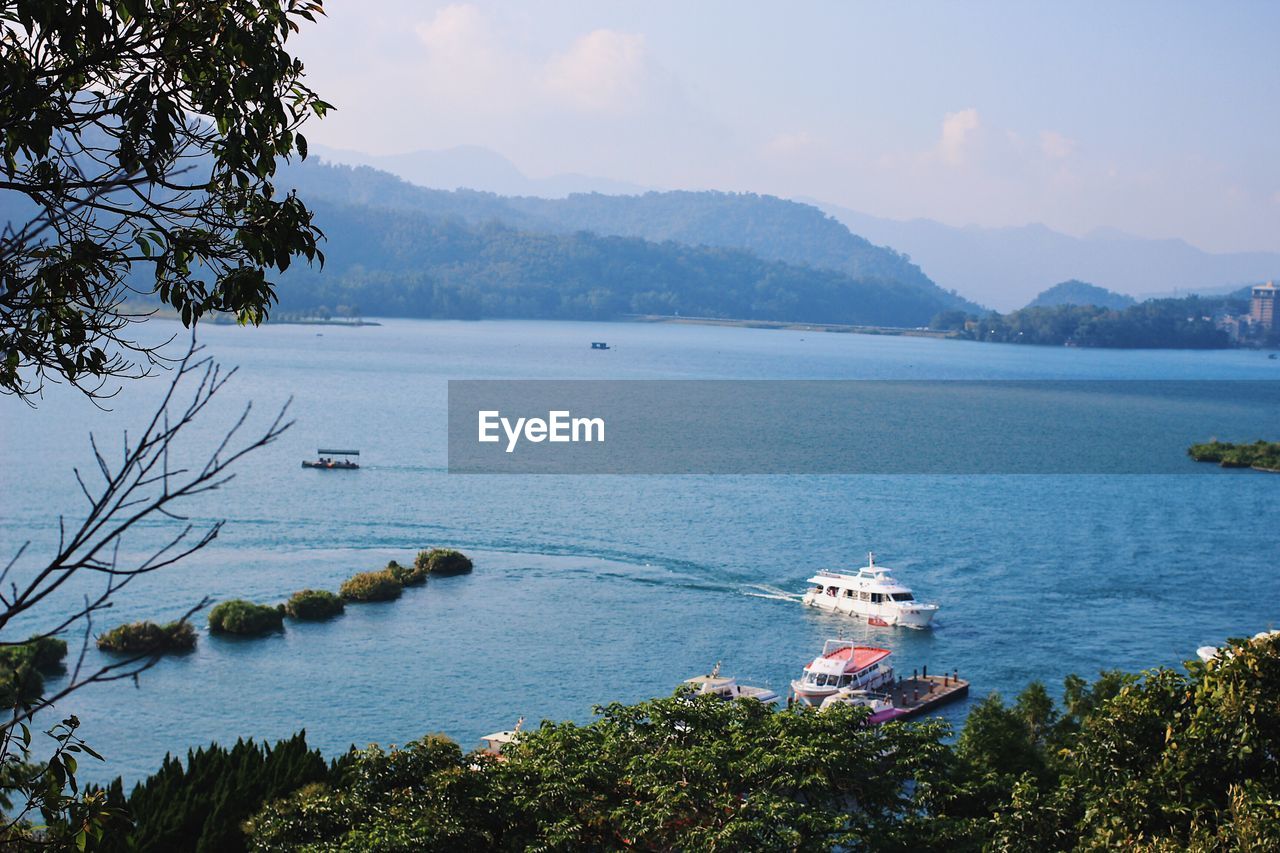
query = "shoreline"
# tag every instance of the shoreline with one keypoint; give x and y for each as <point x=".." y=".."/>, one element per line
<point x="792" y="326"/>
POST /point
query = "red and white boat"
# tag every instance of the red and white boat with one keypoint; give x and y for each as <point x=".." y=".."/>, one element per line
<point x="843" y="666"/>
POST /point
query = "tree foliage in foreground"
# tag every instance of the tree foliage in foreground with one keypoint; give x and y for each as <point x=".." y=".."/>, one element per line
<point x="676" y="773"/>
<point x="1164" y="761"/>
<point x="138" y="143"/>
<point x="199" y="806"/>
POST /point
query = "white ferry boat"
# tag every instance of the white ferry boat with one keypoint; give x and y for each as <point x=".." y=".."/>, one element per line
<point x="841" y="666"/>
<point x="871" y="594"/>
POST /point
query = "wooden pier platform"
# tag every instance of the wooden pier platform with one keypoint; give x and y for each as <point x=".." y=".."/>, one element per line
<point x="922" y="693"/>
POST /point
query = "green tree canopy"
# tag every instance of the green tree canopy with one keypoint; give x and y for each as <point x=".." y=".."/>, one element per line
<point x="682" y="773"/>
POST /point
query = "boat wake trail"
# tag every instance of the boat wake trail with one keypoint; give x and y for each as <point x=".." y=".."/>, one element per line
<point x="771" y="592"/>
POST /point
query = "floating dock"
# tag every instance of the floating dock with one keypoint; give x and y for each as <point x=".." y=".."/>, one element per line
<point x="923" y="692"/>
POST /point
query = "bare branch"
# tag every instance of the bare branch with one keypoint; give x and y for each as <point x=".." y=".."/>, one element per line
<point x="144" y="485"/>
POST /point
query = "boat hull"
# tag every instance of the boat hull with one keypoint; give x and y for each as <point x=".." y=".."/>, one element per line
<point x="918" y="617"/>
<point x="811" y="695"/>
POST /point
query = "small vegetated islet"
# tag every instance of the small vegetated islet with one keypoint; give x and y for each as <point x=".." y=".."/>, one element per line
<point x="414" y="575"/>
<point x="147" y="636"/>
<point x="1261" y="455"/>
<point x="246" y="618"/>
<point x="372" y="586"/>
<point x="23" y="667"/>
<point x="444" y="561"/>
<point x="314" y="604"/>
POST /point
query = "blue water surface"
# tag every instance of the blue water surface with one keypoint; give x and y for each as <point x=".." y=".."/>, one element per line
<point x="591" y="589"/>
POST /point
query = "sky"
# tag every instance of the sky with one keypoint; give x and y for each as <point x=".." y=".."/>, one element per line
<point x="1158" y="119"/>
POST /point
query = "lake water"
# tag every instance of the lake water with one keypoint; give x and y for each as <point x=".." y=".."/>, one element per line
<point x="594" y="589"/>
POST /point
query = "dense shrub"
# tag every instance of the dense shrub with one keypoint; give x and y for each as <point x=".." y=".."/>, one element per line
<point x="409" y="575"/>
<point x="372" y="586"/>
<point x="444" y="561"/>
<point x="244" y="617"/>
<point x="149" y="637"/>
<point x="314" y="604"/>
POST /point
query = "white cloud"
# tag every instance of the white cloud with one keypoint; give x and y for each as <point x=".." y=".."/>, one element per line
<point x="957" y="128"/>
<point x="603" y="71"/>
<point x="463" y="62"/>
<point x="791" y="144"/>
<point x="1055" y="146"/>
<point x="470" y="60"/>
<point x="454" y="30"/>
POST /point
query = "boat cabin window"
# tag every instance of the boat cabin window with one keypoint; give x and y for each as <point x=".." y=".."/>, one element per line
<point x="876" y="597"/>
<point x="845" y="679"/>
<point x="848" y="593"/>
<point x="902" y="596"/>
<point x="865" y="596"/>
<point x="831" y="590"/>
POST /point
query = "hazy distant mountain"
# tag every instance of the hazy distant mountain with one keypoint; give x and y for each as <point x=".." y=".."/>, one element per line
<point x="474" y="167"/>
<point x="771" y="228"/>
<point x="1005" y="267"/>
<point x="1080" y="293"/>
<point x="402" y="263"/>
<point x="403" y="250"/>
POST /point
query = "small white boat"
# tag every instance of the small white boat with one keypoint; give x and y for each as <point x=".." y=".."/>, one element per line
<point x="493" y="744"/>
<point x="1208" y="653"/>
<point x="872" y="594"/>
<point x="881" y="706"/>
<point x="725" y="687"/>
<point x="841" y="666"/>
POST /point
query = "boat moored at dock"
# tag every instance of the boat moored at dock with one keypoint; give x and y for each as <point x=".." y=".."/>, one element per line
<point x="870" y="593"/>
<point x="493" y="744"/>
<point x="842" y="665"/>
<point x="726" y="687"/>
<point x="879" y="704"/>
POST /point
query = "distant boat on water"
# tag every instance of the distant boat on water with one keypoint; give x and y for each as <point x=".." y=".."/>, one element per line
<point x="327" y="461"/>
<point x="599" y="345"/>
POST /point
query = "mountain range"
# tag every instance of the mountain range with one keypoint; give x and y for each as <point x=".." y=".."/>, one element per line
<point x="1000" y="267"/>
<point x="474" y="167"/>
<point x="1006" y="267"/>
<point x="403" y="250"/>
